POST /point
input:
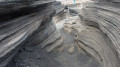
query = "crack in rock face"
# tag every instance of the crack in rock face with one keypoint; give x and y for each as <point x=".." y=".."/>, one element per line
<point x="71" y="25"/>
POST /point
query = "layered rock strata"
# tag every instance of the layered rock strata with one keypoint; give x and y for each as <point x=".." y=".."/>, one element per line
<point x="27" y="25"/>
<point x="100" y="40"/>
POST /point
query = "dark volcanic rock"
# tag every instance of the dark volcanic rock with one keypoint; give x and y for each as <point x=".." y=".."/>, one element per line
<point x="33" y="57"/>
<point x="24" y="26"/>
<point x="8" y="6"/>
<point x="58" y="7"/>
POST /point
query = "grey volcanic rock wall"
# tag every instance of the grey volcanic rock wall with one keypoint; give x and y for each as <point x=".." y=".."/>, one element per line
<point x="24" y="26"/>
<point x="101" y="44"/>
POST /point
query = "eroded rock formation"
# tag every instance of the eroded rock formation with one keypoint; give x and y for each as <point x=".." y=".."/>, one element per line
<point x="29" y="37"/>
<point x="24" y="26"/>
<point x="100" y="40"/>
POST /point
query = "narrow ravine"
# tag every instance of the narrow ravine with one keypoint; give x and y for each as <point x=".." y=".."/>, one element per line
<point x="70" y="54"/>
